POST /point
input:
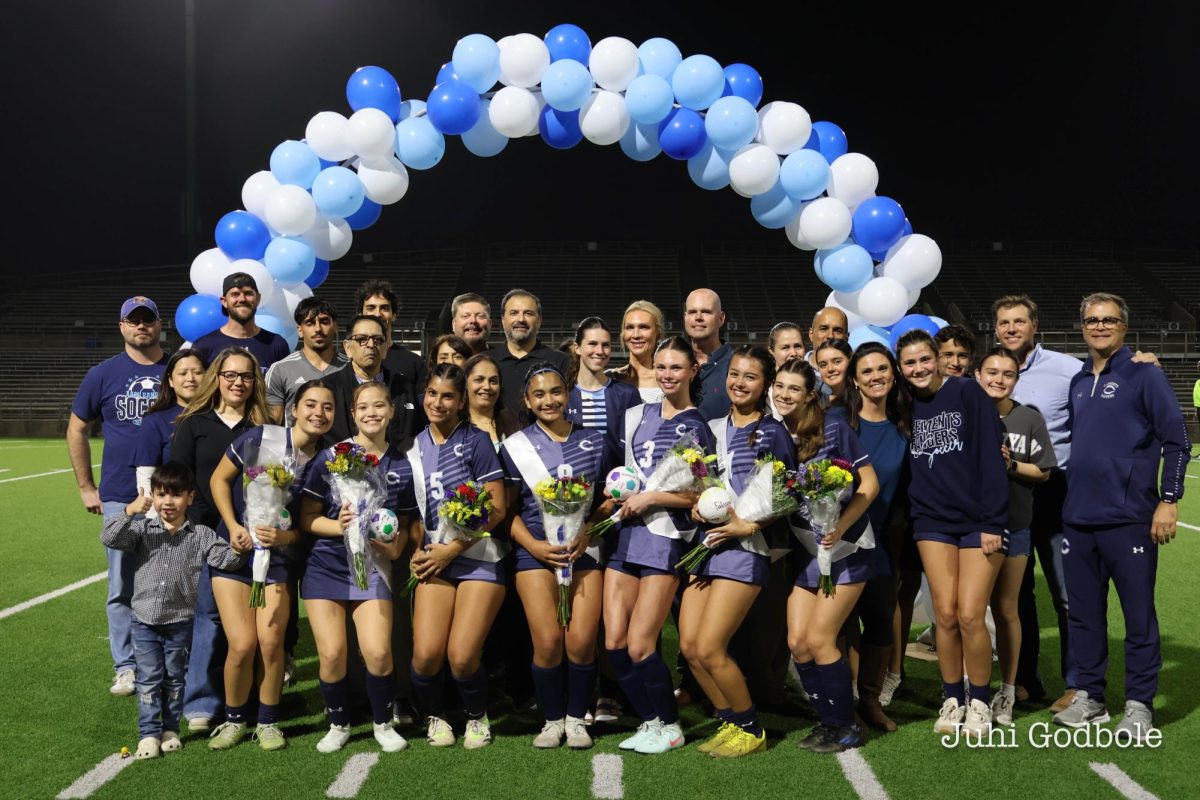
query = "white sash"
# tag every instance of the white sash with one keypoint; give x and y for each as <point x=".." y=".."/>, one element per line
<point x="533" y="470"/>
<point x="808" y="541"/>
<point x="720" y="428"/>
<point x="488" y="549"/>
<point x="658" y="521"/>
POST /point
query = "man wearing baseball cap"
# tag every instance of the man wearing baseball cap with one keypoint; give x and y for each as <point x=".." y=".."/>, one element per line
<point x="239" y="302"/>
<point x="118" y="391"/>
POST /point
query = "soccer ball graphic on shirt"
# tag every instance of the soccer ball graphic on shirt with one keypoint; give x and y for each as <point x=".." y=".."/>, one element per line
<point x="384" y="525"/>
<point x="145" y="385"/>
<point x="284" y="523"/>
<point x="622" y="482"/>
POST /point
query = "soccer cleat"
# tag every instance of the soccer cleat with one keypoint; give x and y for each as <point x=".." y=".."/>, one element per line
<point x="891" y="682"/>
<point x="201" y="723"/>
<point x="723" y="733"/>
<point x="403" y="712"/>
<point x="551" y="735"/>
<point x="740" y="743"/>
<point x="170" y="742"/>
<point x="950" y="717"/>
<point x="977" y="722"/>
<point x="1063" y="702"/>
<point x="148" y="747"/>
<point x="226" y="735"/>
<point x="578" y="737"/>
<point x="123" y="685"/>
<point x="439" y="733"/>
<point x="1083" y="711"/>
<point x="388" y="739"/>
<point x="269" y="737"/>
<point x="335" y="739"/>
<point x="815" y="736"/>
<point x="1138" y="721"/>
<point x="1002" y="709"/>
<point x="642" y="732"/>
<point x="838" y="740"/>
<point x="661" y="739"/>
<point x="607" y="710"/>
<point x="479" y="733"/>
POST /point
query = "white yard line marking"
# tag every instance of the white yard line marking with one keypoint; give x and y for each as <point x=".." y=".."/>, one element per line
<point x="1194" y="476"/>
<point x="19" y="607"/>
<point x="1189" y="527"/>
<point x="606" y="777"/>
<point x="41" y="474"/>
<point x="353" y="775"/>
<point x="33" y="447"/>
<point x="1124" y="784"/>
<point x="99" y="775"/>
<point x="9" y="470"/>
<point x="861" y="776"/>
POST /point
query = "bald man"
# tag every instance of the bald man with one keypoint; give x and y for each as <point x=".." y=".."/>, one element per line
<point x="702" y="319"/>
<point x="828" y="323"/>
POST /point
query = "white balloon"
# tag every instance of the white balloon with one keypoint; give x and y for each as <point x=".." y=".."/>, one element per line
<point x="326" y="135"/>
<point x="384" y="182"/>
<point x="614" y="63"/>
<point x="783" y="127"/>
<point x="534" y="130"/>
<point x="753" y="170"/>
<point x="329" y="238"/>
<point x="292" y="297"/>
<point x="256" y="190"/>
<point x="604" y="118"/>
<point x="258" y="271"/>
<point x="848" y="303"/>
<point x="513" y="110"/>
<point x="825" y="222"/>
<point x="883" y="301"/>
<point x="792" y="229"/>
<point x="370" y="133"/>
<point x="914" y="295"/>
<point x="523" y="59"/>
<point x="290" y="210"/>
<point x="209" y="270"/>
<point x="915" y="261"/>
<point x="852" y="178"/>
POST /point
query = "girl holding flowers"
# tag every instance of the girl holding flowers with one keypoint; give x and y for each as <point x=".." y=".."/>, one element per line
<point x="329" y="588"/>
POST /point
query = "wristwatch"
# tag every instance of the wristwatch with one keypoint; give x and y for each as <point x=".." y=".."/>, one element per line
<point x="1012" y="466"/>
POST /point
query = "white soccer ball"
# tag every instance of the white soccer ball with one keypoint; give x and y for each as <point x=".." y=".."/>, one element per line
<point x="714" y="504"/>
<point x="284" y="523"/>
<point x="384" y="525"/>
<point x="622" y="482"/>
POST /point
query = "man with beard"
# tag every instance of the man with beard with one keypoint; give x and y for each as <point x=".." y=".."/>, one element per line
<point x="239" y="302"/>
<point x="521" y="318"/>
<point x="364" y="342"/>
<point x="316" y="325"/>
<point x="702" y="319"/>
<point x="471" y="320"/>
<point x="118" y="391"/>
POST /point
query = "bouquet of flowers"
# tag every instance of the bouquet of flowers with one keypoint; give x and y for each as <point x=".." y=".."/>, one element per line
<point x="355" y="479"/>
<point x="825" y="484"/>
<point x="564" y="503"/>
<point x="461" y="516"/>
<point x="266" y="489"/>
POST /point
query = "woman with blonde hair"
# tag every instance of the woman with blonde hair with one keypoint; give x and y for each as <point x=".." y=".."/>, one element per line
<point x="642" y="327"/>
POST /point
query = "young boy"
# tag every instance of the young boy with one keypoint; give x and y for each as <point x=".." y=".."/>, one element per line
<point x="169" y="552"/>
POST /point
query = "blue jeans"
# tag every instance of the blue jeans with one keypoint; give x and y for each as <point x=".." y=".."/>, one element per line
<point x="120" y="595"/>
<point x="161" y="653"/>
<point x="204" y="694"/>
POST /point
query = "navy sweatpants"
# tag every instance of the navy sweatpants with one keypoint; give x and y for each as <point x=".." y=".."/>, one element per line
<point x="1126" y="555"/>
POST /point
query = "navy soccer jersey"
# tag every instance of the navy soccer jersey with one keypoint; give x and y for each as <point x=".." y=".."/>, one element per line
<point x="842" y="443"/>
<point x="153" y="445"/>
<point x="245" y="450"/>
<point x="654" y="437"/>
<point x="580" y="456"/>
<point x="467" y="455"/>
<point x="770" y="437"/>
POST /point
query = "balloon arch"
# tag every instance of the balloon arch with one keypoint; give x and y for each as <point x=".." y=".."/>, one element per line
<point x="799" y="175"/>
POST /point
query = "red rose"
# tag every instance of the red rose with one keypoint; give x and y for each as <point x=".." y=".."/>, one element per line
<point x="372" y="459"/>
<point x="341" y="448"/>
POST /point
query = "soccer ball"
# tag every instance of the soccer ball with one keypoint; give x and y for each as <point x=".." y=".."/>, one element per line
<point x="284" y="523"/>
<point x="714" y="504"/>
<point x="622" y="482"/>
<point x="384" y="525"/>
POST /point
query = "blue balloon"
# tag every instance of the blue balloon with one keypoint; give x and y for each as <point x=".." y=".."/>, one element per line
<point x="640" y="141"/>
<point x="289" y="259"/>
<point x="484" y="140"/>
<point x="366" y="216"/>
<point x="867" y="333"/>
<point x="295" y="163"/>
<point x="271" y="323"/>
<point x="198" y="316"/>
<point x="845" y="268"/>
<point x="910" y="323"/>
<point x="240" y="234"/>
<point x="327" y="164"/>
<point x="743" y="80"/>
<point x="338" y="192"/>
<point x="559" y="129"/>
<point x="649" y="99"/>
<point x="698" y="82"/>
<point x="804" y="174"/>
<point x="709" y="169"/>
<point x="907" y="229"/>
<point x="681" y="134"/>
<point x="731" y="123"/>
<point x="878" y="223"/>
<point x="659" y="57"/>
<point x="566" y="85"/>
<point x="419" y="145"/>
<point x="318" y="275"/>
<point x="374" y="87"/>
<point x="453" y="107"/>
<point x="829" y="140"/>
<point x="446" y="73"/>
<point x="476" y="62"/>
<point x="775" y="208"/>
<point x="412" y="108"/>
<point x="568" y="41"/>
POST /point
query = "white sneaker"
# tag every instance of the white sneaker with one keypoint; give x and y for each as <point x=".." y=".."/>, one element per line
<point x="439" y="733"/>
<point x="479" y="733"/>
<point x="978" y="720"/>
<point x="607" y="710"/>
<point x="551" y="735"/>
<point x="662" y="739"/>
<point x="578" y="737"/>
<point x="388" y="739"/>
<point x="201" y="723"/>
<point x="642" y="732"/>
<point x="1002" y="708"/>
<point x="123" y="683"/>
<point x="334" y="740"/>
<point x="950" y="717"/>
<point x="891" y="682"/>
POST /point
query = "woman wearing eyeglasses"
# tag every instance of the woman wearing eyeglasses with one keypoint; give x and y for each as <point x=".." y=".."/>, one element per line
<point x="364" y="342"/>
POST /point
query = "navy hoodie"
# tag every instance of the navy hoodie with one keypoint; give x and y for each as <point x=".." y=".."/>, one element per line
<point x="1122" y="422"/>
<point x="959" y="484"/>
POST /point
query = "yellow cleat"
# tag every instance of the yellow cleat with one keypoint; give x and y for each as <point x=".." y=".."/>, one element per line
<point x="719" y="738"/>
<point x="740" y="743"/>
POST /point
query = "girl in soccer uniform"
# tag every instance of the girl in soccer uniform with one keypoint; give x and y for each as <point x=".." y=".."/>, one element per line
<point x="256" y="636"/>
<point x="785" y="341"/>
<point x="640" y="578"/>
<point x="461" y="583"/>
<point x="597" y="401"/>
<point x="959" y="505"/>
<point x="832" y="359"/>
<point x="485" y="406"/>
<point x="328" y="588"/>
<point x="555" y="447"/>
<point x="182" y="378"/>
<point x="814" y="618"/>
<point x="1029" y="457"/>
<point x="642" y="328"/>
<point x="722" y="589"/>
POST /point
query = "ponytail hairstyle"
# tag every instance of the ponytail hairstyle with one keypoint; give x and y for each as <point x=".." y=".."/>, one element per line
<point x="359" y="391"/>
<point x="588" y="324"/>
<point x="457" y="377"/>
<point x="898" y="406"/>
<point x="767" y="363"/>
<point x="810" y="433"/>
<point x="526" y="416"/>
<point x="915" y="337"/>
<point x="682" y="345"/>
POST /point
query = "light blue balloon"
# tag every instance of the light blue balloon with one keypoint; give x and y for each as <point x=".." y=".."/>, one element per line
<point x="866" y="333"/>
<point x="659" y="57"/>
<point x="290" y="259"/>
<point x="804" y="174"/>
<point x="566" y="85"/>
<point x="338" y="192"/>
<point x="412" y="108"/>
<point x="775" y="208"/>
<point x="640" y="141"/>
<point x="698" y="82"/>
<point x="709" y="169"/>
<point x="295" y="163"/>
<point x="649" y="99"/>
<point x="419" y="145"/>
<point x="476" y="61"/>
<point x="272" y="323"/>
<point x="484" y="140"/>
<point x="446" y="73"/>
<point x="731" y="122"/>
<point x="845" y="268"/>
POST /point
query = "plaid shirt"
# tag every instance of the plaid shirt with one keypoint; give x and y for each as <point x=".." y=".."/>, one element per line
<point x="168" y="564"/>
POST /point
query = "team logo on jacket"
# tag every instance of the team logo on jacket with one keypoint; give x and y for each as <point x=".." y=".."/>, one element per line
<point x="936" y="436"/>
<point x="1110" y="390"/>
<point x="1066" y="546"/>
<point x="139" y="394"/>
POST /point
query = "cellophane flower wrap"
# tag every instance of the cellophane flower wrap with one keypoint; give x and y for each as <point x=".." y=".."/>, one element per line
<point x="355" y="478"/>
<point x="461" y="516"/>
<point x="564" y="503"/>
<point x="826" y="484"/>
<point x="267" y="479"/>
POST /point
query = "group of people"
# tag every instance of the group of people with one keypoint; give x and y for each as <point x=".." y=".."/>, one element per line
<point x="965" y="467"/>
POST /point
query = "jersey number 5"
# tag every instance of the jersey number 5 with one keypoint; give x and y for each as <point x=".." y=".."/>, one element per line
<point x="436" y="489"/>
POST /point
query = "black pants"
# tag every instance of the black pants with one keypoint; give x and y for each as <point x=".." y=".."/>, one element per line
<point x="1047" y="535"/>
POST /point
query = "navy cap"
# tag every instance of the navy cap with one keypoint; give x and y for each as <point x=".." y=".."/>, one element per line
<point x="238" y="280"/>
<point x="136" y="302"/>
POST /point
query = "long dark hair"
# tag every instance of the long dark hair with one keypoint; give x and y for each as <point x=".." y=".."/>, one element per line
<point x="844" y="348"/>
<point x="589" y="323"/>
<point x="810" y="433"/>
<point x="898" y="406"/>
<point x="506" y="420"/>
<point x="167" y="398"/>
<point x="457" y="377"/>
<point x="682" y="345"/>
<point x="767" y="362"/>
<point x="527" y="416"/>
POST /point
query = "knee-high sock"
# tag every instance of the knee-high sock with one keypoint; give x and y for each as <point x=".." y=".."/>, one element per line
<point x="337" y="701"/>
<point x="838" y="702"/>
<point x="657" y="679"/>
<point x="631" y="684"/>
<point x="549" y="689"/>
<point x="473" y="691"/>
<point x="381" y="689"/>
<point x="429" y="692"/>
<point x="580" y="680"/>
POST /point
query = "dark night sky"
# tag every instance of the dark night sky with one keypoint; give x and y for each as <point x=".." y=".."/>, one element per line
<point x="985" y="125"/>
